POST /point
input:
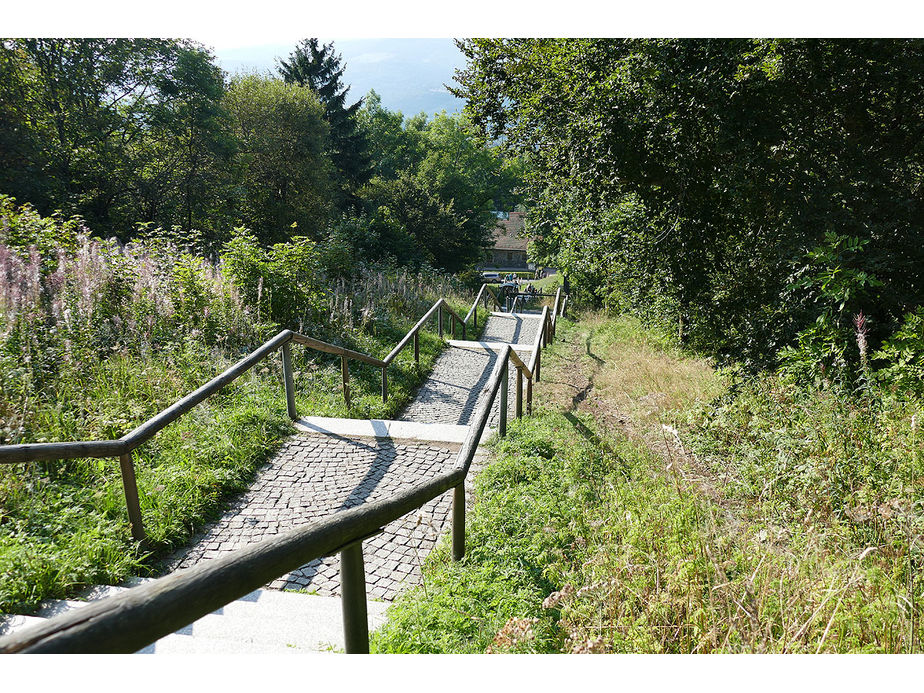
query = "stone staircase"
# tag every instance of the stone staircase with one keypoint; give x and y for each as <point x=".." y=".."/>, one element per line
<point x="337" y="463"/>
<point x="262" y="622"/>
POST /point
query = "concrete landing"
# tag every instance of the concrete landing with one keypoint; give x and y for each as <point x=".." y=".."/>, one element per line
<point x="262" y="622"/>
<point x="490" y="346"/>
<point x="267" y="622"/>
<point x="383" y="428"/>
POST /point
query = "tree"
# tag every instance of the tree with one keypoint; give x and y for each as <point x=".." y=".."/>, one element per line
<point x="284" y="174"/>
<point x="442" y="237"/>
<point x="742" y="156"/>
<point x="318" y="67"/>
<point x="186" y="180"/>
<point x="81" y="117"/>
<point x="393" y="145"/>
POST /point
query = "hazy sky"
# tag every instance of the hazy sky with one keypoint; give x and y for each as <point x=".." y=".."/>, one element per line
<point x="409" y="74"/>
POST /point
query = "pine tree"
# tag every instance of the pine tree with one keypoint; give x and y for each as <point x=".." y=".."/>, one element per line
<point x="318" y="67"/>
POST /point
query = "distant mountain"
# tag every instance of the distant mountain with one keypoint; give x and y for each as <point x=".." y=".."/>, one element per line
<point x="409" y="74"/>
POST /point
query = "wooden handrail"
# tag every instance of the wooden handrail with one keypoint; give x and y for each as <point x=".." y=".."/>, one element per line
<point x="37" y="452"/>
<point x="128" y="621"/>
<point x="481" y="291"/>
<point x="538" y="341"/>
<point x="318" y="345"/>
<point x="122" y="448"/>
<point x="555" y="310"/>
<point x="407" y="338"/>
<point x="451" y="311"/>
<point x="133" y="619"/>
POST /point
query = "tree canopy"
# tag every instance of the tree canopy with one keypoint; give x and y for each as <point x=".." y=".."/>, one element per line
<point x="283" y="136"/>
<point x="719" y="180"/>
<point x="133" y="135"/>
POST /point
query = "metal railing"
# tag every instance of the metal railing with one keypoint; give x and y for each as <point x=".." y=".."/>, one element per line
<point x="131" y="620"/>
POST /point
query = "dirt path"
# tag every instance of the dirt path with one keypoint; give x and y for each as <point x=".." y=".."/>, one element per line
<point x="579" y="379"/>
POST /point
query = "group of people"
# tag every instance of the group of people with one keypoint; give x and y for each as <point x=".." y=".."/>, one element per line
<point x="514" y="282"/>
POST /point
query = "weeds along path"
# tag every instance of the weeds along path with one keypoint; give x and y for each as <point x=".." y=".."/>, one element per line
<point x="326" y="471"/>
<point x="605" y="523"/>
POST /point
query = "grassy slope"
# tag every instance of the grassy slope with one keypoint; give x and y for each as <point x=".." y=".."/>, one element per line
<point x="595" y="529"/>
<point x="63" y="525"/>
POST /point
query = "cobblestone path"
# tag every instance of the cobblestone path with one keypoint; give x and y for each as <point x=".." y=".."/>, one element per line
<point x="456" y="385"/>
<point x="314" y="475"/>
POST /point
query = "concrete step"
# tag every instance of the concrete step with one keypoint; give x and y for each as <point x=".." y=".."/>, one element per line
<point x="517" y="315"/>
<point x="383" y="428"/>
<point x="273" y="621"/>
<point x="262" y="622"/>
<point x="490" y="346"/>
<point x="189" y="645"/>
<point x="56" y="607"/>
<point x="10" y="623"/>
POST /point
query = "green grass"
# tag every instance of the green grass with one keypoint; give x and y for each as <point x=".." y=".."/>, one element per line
<point x="528" y="514"/>
<point x="795" y="528"/>
<point x="549" y="284"/>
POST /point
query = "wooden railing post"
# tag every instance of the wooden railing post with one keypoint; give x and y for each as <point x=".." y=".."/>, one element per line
<point x="538" y="363"/>
<point x="353" y="599"/>
<point x="519" y="392"/>
<point x="458" y="522"/>
<point x="417" y="348"/>
<point x="502" y="422"/>
<point x="288" y="380"/>
<point x="529" y="395"/>
<point x="345" y="376"/>
<point x="131" y="496"/>
<point x="384" y="383"/>
<point x="439" y="320"/>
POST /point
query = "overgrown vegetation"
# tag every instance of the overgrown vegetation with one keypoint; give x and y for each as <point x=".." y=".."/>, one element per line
<point x="631" y="515"/>
<point x="96" y="337"/>
<point x="151" y="131"/>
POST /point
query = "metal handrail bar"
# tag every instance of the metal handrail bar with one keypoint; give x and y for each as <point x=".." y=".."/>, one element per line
<point x="128" y="621"/>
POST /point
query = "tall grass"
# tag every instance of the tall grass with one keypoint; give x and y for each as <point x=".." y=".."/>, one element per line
<point x="792" y="525"/>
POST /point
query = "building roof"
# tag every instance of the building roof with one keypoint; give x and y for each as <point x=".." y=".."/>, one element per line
<point x="507" y="234"/>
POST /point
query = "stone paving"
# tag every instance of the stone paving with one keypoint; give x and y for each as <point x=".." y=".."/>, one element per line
<point x="315" y="475"/>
